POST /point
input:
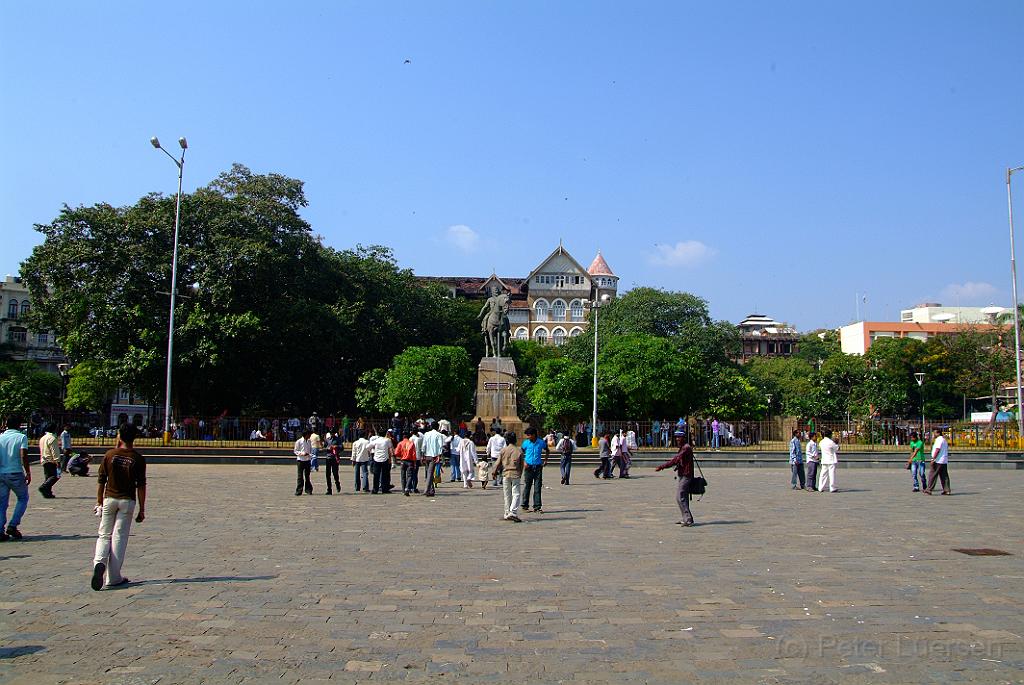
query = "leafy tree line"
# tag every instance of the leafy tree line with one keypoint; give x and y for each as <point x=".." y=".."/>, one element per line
<point x="275" y="321"/>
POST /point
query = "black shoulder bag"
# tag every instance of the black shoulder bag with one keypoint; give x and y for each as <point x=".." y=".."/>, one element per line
<point x="698" y="484"/>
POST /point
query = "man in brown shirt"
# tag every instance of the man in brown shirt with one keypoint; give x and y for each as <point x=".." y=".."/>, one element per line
<point x="510" y="464"/>
<point x="682" y="462"/>
<point x="121" y="478"/>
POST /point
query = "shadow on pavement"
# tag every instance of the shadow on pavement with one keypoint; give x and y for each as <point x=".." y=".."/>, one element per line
<point x="15" y="652"/>
<point x="722" y="523"/>
<point x="199" y="579"/>
<point x="46" y="538"/>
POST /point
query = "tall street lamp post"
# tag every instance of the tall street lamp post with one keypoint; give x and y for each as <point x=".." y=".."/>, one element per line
<point x="1016" y="310"/>
<point x="919" y="377"/>
<point x="180" y="163"/>
<point x="595" y="305"/>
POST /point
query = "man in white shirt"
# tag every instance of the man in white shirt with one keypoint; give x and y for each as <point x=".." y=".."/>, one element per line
<point x="829" y="458"/>
<point x="303" y="453"/>
<point x="813" y="461"/>
<point x="382" y="451"/>
<point x="495" y="445"/>
<point x="433" y="447"/>
<point x="361" y="462"/>
<point x="452" y="448"/>
<point x="939" y="464"/>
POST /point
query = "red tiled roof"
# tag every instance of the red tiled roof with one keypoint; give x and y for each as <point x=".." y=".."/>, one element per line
<point x="599" y="267"/>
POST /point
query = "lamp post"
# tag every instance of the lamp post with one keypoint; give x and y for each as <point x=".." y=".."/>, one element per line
<point x="919" y="377"/>
<point x="1016" y="309"/>
<point x="595" y="305"/>
<point x="180" y="163"/>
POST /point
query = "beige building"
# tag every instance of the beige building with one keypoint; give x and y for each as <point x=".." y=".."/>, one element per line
<point x="548" y="306"/>
<point x="24" y="344"/>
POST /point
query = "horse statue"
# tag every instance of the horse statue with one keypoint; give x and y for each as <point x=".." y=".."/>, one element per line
<point x="494" y="324"/>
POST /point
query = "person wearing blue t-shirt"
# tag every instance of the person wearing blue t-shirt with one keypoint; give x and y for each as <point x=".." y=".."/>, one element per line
<point x="15" y="476"/>
<point x="535" y="456"/>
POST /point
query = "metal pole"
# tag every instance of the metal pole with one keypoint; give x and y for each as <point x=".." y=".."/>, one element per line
<point x="174" y="289"/>
<point x="1016" y="311"/>
<point x="593" y="424"/>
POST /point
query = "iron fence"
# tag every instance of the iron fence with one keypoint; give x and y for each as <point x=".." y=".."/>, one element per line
<point x="882" y="435"/>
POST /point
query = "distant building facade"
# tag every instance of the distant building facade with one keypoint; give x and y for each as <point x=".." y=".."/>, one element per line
<point x="550" y="304"/>
<point x="933" y="312"/>
<point x="24" y="344"/>
<point x="858" y="337"/>
<point x="763" y="336"/>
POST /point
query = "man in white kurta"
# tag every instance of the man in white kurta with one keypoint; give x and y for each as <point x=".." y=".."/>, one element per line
<point x="829" y="458"/>
<point x="467" y="462"/>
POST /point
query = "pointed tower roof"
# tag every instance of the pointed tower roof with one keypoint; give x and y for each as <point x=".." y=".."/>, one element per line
<point x="599" y="267"/>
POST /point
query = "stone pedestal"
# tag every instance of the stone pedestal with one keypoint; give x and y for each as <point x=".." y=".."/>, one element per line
<point x="496" y="393"/>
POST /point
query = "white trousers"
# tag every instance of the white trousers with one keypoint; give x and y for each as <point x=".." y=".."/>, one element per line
<point x="112" y="542"/>
<point x="510" y="488"/>
<point x="827" y="474"/>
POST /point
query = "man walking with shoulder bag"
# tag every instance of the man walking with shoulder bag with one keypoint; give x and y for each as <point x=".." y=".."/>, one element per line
<point x="682" y="462"/>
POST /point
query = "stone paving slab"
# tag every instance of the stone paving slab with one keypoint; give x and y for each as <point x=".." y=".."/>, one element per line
<point x="236" y="580"/>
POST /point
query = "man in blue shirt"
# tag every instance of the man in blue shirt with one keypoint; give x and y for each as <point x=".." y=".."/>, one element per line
<point x="14" y="475"/>
<point x="535" y="456"/>
<point x="796" y="461"/>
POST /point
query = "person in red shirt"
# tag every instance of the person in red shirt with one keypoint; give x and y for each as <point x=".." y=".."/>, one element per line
<point x="406" y="453"/>
<point x="682" y="462"/>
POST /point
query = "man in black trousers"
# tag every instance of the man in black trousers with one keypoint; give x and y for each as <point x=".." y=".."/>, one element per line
<point x="682" y="462"/>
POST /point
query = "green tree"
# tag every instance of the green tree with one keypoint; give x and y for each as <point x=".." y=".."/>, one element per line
<point x="732" y="396"/>
<point x="983" y="362"/>
<point x="817" y="346"/>
<point x="24" y="388"/>
<point x="528" y="355"/>
<point x="90" y="386"/>
<point x="562" y="392"/>
<point x="271" y="303"/>
<point x="646" y="376"/>
<point x="789" y="380"/>
<point x="437" y="379"/>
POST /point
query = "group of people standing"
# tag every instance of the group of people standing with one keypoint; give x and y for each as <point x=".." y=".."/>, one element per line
<point x="821" y="457"/>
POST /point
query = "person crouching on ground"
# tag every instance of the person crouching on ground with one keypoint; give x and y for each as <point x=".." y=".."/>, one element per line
<point x="510" y="464"/>
<point x="78" y="465"/>
<point x="121" y="483"/>
<point x="682" y="462"/>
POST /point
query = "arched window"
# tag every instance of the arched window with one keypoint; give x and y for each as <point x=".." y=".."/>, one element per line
<point x="558" y="310"/>
<point x="576" y="310"/>
<point x="522" y="334"/>
<point x="558" y="335"/>
<point x="541" y="335"/>
<point x="575" y="331"/>
<point x="12" y="309"/>
<point x="540" y="310"/>
<point x="24" y="307"/>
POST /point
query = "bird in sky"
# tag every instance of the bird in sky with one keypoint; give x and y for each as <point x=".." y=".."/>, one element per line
<point x="408" y="61"/>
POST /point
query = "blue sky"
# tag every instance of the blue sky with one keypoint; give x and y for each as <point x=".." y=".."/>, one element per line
<point x="782" y="156"/>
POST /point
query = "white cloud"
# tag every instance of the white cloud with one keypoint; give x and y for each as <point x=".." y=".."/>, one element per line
<point x="683" y="253"/>
<point x="463" y="238"/>
<point x="969" y="293"/>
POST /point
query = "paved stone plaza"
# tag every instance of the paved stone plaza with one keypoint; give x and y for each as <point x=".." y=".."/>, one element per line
<point x="236" y="580"/>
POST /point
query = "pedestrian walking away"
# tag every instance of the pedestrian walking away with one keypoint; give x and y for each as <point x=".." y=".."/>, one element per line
<point x="382" y="453"/>
<point x="361" y="462"/>
<point x="535" y="456"/>
<point x="495" y="444"/>
<point x="49" y="457"/>
<point x="829" y="458"/>
<point x="813" y="461"/>
<point x="406" y="454"/>
<point x="939" y="467"/>
<point x="467" y="463"/>
<point x="682" y="462"/>
<point x="604" y="451"/>
<point x="333" y="447"/>
<point x="303" y="453"/>
<point x="315" y="445"/>
<point x="915" y="463"/>
<point x="510" y="464"/>
<point x="796" y="461"/>
<point x="433" y="448"/>
<point x="65" y="448"/>
<point x="566" y="447"/>
<point x="15" y="476"/>
<point x="121" y="486"/>
<point x="451" y="448"/>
